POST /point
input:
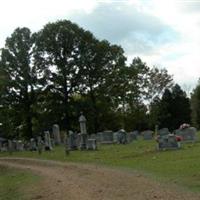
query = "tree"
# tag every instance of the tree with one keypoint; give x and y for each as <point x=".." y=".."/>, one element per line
<point x="57" y="52"/>
<point x="99" y="60"/>
<point x="22" y="77"/>
<point x="195" y="106"/>
<point x="158" y="81"/>
<point x="172" y="110"/>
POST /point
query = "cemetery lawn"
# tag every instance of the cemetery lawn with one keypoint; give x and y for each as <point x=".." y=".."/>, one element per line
<point x="178" y="167"/>
<point x="14" y="183"/>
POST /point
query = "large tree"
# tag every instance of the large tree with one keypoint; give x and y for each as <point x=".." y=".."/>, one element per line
<point x="99" y="60"/>
<point x="172" y="110"/>
<point x="58" y="54"/>
<point x="22" y="79"/>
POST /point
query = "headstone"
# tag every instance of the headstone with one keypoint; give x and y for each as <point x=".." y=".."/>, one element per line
<point x="187" y="134"/>
<point x="147" y="135"/>
<point x="33" y="145"/>
<point x="19" y="145"/>
<point x="56" y="134"/>
<point x="163" y="132"/>
<point x="72" y="141"/>
<point x="133" y="136"/>
<point x="47" y="141"/>
<point x="168" y="142"/>
<point x="83" y="134"/>
<point x="40" y="144"/>
<point x="106" y="137"/>
<point x="91" y="144"/>
<point x="122" y="136"/>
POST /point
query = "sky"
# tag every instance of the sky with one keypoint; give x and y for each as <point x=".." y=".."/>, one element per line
<point x="165" y="34"/>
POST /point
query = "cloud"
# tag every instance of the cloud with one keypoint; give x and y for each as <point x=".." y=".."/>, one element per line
<point x="121" y="23"/>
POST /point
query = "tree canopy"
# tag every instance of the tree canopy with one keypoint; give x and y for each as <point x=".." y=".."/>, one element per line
<point x="52" y="75"/>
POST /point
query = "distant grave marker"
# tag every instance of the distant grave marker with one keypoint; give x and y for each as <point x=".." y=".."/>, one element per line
<point x="106" y="137"/>
<point x="147" y="135"/>
<point x="163" y="132"/>
<point x="91" y="144"/>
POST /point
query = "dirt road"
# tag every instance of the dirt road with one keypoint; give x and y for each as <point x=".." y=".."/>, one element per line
<point x="67" y="181"/>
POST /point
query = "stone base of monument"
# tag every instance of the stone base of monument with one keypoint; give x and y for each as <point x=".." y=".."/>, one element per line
<point x="83" y="141"/>
<point x="91" y="144"/>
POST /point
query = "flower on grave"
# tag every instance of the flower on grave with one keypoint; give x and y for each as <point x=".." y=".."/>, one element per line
<point x="179" y="138"/>
<point x="183" y="126"/>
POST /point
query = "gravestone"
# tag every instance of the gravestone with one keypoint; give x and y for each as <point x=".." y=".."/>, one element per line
<point x="91" y="144"/>
<point x="19" y="145"/>
<point x="168" y="142"/>
<point x="72" y="141"/>
<point x="33" y="145"/>
<point x="40" y="144"/>
<point x="47" y="141"/>
<point x="106" y="137"/>
<point x="133" y="136"/>
<point x="187" y="134"/>
<point x="56" y="134"/>
<point x="83" y="134"/>
<point x="122" y="136"/>
<point x="163" y="132"/>
<point x="147" y="135"/>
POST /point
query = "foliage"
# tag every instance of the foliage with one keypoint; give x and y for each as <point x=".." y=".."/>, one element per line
<point x="195" y="106"/>
<point x="21" y="83"/>
<point x="172" y="110"/>
<point x="51" y="76"/>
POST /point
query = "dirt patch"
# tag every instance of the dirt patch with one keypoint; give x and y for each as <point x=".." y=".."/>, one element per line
<point x="87" y="182"/>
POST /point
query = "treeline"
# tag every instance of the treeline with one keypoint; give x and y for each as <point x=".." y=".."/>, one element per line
<point x="51" y="76"/>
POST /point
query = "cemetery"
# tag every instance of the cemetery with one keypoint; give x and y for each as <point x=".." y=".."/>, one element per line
<point x="85" y="118"/>
<point x="131" y="150"/>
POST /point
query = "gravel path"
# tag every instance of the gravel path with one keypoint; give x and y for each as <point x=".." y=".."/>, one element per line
<point x="68" y="181"/>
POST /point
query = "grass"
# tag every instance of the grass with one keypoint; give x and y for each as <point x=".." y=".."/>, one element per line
<point x="13" y="183"/>
<point x="175" y="166"/>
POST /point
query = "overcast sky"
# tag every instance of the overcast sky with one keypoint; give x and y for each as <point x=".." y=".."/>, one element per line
<point x="163" y="33"/>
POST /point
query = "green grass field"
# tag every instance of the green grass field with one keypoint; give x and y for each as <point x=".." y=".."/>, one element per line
<point x="181" y="167"/>
<point x="13" y="183"/>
